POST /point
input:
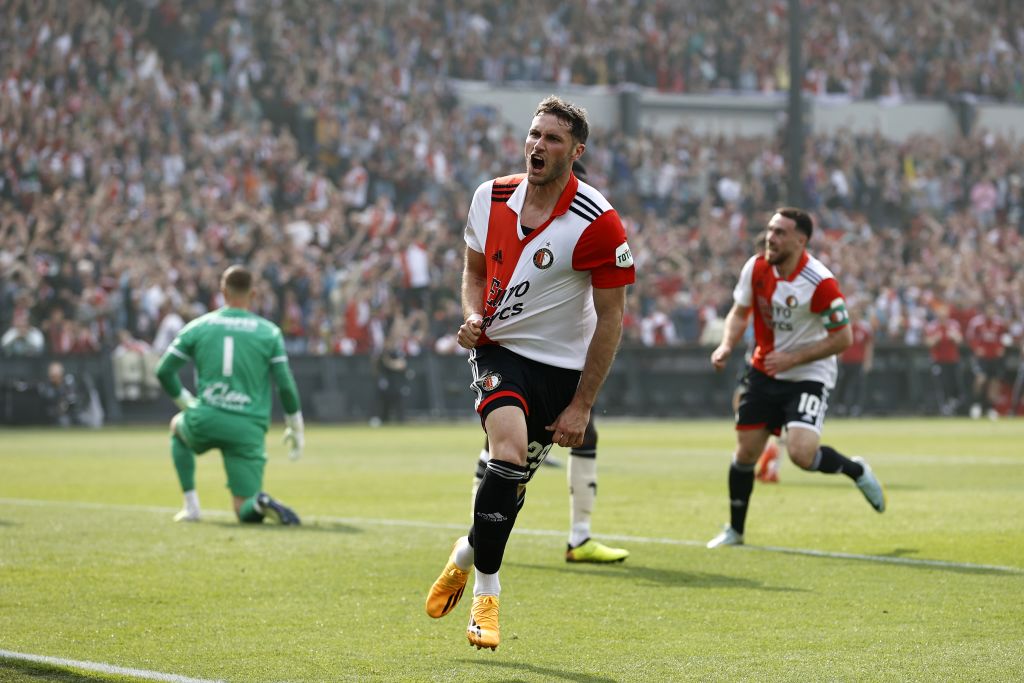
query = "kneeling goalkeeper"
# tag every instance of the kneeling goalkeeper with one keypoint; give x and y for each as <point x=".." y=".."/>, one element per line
<point x="235" y="353"/>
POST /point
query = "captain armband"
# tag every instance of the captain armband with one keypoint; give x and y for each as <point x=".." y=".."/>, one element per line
<point x="835" y="316"/>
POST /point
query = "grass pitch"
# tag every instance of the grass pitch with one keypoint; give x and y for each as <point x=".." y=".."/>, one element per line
<point x="92" y="569"/>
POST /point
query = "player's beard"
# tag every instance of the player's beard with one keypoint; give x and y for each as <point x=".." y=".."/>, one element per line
<point x="553" y="169"/>
<point x="776" y="256"/>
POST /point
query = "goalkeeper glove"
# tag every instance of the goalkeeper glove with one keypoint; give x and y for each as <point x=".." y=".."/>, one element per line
<point x="185" y="400"/>
<point x="294" y="435"/>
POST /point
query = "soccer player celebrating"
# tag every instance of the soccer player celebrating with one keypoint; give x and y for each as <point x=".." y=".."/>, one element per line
<point x="581" y="474"/>
<point x="235" y="353"/>
<point x="800" y="324"/>
<point x="543" y="294"/>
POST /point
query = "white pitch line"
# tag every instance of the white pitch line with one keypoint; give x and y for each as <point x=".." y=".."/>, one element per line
<point x="104" y="668"/>
<point x="417" y="524"/>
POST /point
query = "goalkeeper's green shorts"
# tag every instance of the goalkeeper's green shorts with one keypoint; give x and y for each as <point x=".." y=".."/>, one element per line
<point x="241" y="441"/>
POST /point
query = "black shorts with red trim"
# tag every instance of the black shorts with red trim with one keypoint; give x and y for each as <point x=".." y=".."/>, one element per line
<point x="769" y="403"/>
<point x="542" y="392"/>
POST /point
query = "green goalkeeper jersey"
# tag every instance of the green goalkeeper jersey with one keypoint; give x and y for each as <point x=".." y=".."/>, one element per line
<point x="235" y="352"/>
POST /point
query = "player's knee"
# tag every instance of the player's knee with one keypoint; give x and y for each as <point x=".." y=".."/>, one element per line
<point x="509" y="453"/>
<point x="746" y="455"/>
<point x="802" y="457"/>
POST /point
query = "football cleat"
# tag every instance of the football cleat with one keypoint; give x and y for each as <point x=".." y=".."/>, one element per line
<point x="592" y="551"/>
<point x="729" y="536"/>
<point x="870" y="486"/>
<point x="447" y="590"/>
<point x="768" y="464"/>
<point x="282" y="513"/>
<point x="483" y="622"/>
<point x="186" y="515"/>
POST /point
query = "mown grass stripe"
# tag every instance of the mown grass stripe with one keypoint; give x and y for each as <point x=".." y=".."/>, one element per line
<point x="626" y="538"/>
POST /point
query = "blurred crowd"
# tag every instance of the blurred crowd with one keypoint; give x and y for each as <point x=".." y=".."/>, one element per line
<point x="933" y="49"/>
<point x="145" y="146"/>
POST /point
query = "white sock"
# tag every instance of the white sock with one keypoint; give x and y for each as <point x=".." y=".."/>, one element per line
<point x="192" y="502"/>
<point x="486" y="584"/>
<point x="582" y="476"/>
<point x="464" y="554"/>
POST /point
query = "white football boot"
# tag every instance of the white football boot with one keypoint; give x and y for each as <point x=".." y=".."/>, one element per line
<point x="729" y="536"/>
<point x="870" y="486"/>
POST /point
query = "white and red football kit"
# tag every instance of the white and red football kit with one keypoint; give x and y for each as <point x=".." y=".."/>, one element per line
<point x="985" y="336"/>
<point x="538" y="300"/>
<point x="790" y="313"/>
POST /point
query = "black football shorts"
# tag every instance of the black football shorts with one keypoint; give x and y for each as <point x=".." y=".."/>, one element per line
<point x="772" y="404"/>
<point x="503" y="378"/>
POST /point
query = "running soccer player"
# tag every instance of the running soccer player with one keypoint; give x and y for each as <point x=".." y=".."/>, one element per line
<point x="235" y="353"/>
<point x="543" y="294"/>
<point x="581" y="474"/>
<point x="800" y="324"/>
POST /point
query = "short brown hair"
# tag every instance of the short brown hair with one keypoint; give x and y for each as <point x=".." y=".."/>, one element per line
<point x="237" y="280"/>
<point x="566" y="112"/>
<point x="803" y="220"/>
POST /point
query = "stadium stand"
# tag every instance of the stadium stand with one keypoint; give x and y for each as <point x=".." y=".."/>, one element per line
<point x="144" y="146"/>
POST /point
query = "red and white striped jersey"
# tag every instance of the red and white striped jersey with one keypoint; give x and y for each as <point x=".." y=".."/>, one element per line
<point x="539" y="300"/>
<point x="793" y="312"/>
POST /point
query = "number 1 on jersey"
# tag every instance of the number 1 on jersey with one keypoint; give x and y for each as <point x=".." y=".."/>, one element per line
<point x="229" y="356"/>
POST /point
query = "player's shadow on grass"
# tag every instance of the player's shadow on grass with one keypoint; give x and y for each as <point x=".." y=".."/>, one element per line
<point x="951" y="567"/>
<point x="896" y="554"/>
<point x="547" y="672"/>
<point x="311" y="526"/>
<point x="31" y="671"/>
<point x="832" y="482"/>
<point x="671" y="578"/>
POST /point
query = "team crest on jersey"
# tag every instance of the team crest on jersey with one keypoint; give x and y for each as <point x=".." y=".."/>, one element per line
<point x="791" y="301"/>
<point x="490" y="382"/>
<point x="543" y="258"/>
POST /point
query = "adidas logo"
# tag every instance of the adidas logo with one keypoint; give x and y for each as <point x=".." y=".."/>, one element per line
<point x="497" y="256"/>
<point x="492" y="516"/>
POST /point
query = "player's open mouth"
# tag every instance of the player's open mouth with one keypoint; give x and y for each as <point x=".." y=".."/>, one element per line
<point x="536" y="162"/>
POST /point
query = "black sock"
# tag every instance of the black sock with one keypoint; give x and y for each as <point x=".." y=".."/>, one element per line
<point x="741" y="484"/>
<point x="831" y="461"/>
<point x="494" y="513"/>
